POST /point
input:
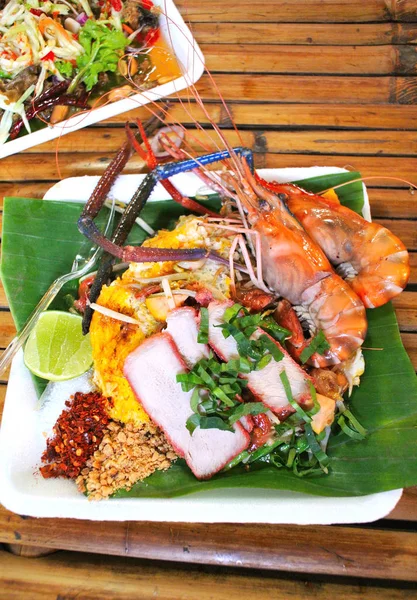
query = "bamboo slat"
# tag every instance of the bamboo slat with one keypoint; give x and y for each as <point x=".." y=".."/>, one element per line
<point x="391" y="143"/>
<point x="410" y="344"/>
<point x="391" y="203"/>
<point x="7" y="332"/>
<point x="90" y="577"/>
<point x="369" y="166"/>
<point x="319" y="34"/>
<point x="326" y="60"/>
<point x="310" y="89"/>
<point x="351" y="116"/>
<point x="22" y="167"/>
<point x="311" y="11"/>
<point x="413" y="265"/>
<point x="406" y="507"/>
<point x="348" y="551"/>
<point x="30" y="189"/>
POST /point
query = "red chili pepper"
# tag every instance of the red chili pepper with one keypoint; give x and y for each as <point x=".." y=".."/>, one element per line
<point x="83" y="291"/>
<point x="49" y="56"/>
<point x="36" y="11"/>
<point x="152" y="37"/>
<point x="147" y="4"/>
<point x="117" y="5"/>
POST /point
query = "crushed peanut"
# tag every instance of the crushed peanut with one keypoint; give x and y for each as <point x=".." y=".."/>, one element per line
<point x="127" y="453"/>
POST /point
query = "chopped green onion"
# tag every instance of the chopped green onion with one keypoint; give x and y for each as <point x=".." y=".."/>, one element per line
<point x="315" y="446"/>
<point x="291" y="456"/>
<point x="265" y="360"/>
<point x="300" y="412"/>
<point x="348" y="430"/>
<point x="250" y="321"/>
<point x="232" y="312"/>
<point x="193" y="422"/>
<point x="355" y="423"/>
<point x="271" y="347"/>
<point x="270" y="326"/>
<point x="316" y="405"/>
<point x="195" y="400"/>
<point x="214" y="423"/>
<point x="317" y="344"/>
<point x="203" y="332"/>
<point x="242" y="457"/>
<point x="264" y="450"/>
<point x="220" y="394"/>
<point x="207" y="379"/>
<point x="243" y="409"/>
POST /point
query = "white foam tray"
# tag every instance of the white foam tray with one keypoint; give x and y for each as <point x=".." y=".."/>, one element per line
<point x="24" y="491"/>
<point x="188" y="55"/>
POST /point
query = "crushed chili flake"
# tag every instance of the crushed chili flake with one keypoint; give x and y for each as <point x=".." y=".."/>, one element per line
<point x="78" y="433"/>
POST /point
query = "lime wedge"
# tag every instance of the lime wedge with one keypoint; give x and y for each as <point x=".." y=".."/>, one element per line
<point x="56" y="349"/>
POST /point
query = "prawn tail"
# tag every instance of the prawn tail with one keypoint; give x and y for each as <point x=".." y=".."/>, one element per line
<point x="386" y="271"/>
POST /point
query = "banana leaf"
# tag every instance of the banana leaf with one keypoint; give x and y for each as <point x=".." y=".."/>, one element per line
<point x="40" y="240"/>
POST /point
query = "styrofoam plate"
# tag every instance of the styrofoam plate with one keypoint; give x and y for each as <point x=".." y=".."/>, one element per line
<point x="24" y="491"/>
<point x="188" y="55"/>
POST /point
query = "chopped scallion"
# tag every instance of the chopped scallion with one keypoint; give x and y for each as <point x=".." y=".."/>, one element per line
<point x="317" y="344"/>
<point x="203" y="332"/>
<point x="315" y="446"/>
<point x="300" y="412"/>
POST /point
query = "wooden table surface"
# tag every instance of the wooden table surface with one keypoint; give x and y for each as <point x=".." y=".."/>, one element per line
<point x="308" y="82"/>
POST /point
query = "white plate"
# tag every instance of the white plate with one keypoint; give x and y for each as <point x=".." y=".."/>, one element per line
<point x="24" y="491"/>
<point x="188" y="55"/>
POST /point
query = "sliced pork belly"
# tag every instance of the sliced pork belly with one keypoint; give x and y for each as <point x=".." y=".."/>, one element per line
<point x="265" y="384"/>
<point x="151" y="370"/>
<point x="182" y="326"/>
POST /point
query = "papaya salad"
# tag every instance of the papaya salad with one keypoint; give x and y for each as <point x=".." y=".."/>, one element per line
<point x="57" y="58"/>
<point x="231" y="341"/>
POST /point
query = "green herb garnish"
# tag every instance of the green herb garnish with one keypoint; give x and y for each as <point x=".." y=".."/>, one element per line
<point x="351" y="426"/>
<point x="315" y="446"/>
<point x="203" y="331"/>
<point x="300" y="412"/>
<point x="64" y="67"/>
<point x="318" y="344"/>
<point x="103" y="47"/>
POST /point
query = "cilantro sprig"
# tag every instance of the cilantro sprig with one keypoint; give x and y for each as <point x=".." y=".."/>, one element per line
<point x="103" y="47"/>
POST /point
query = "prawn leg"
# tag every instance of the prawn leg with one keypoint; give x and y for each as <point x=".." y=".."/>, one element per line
<point x="162" y="172"/>
<point x="112" y="247"/>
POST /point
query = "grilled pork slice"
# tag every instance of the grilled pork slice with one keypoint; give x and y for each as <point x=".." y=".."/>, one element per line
<point x="182" y="326"/>
<point x="265" y="384"/>
<point x="151" y="370"/>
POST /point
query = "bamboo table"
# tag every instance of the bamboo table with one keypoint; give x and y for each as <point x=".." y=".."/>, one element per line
<point x="308" y="82"/>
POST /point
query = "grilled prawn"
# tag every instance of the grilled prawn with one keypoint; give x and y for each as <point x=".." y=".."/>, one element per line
<point x="371" y="258"/>
<point x="298" y="270"/>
